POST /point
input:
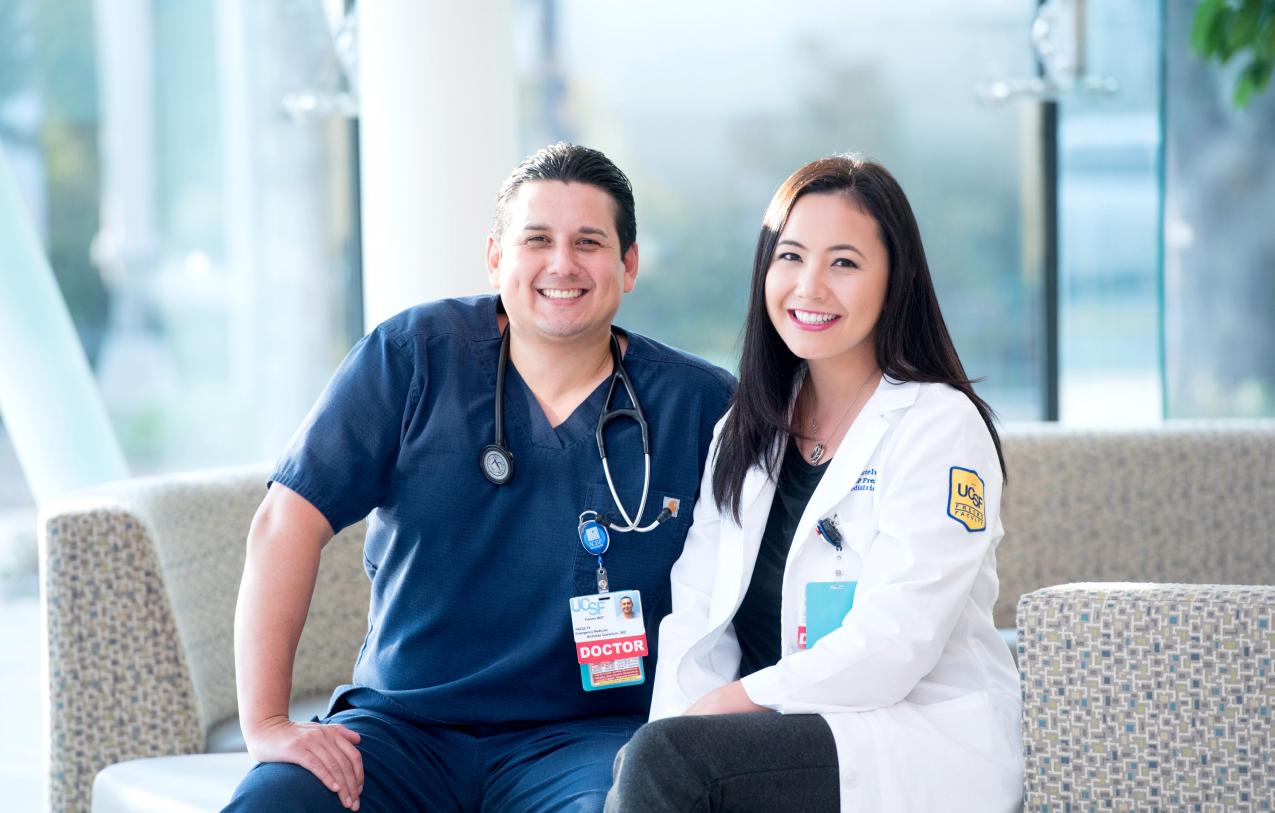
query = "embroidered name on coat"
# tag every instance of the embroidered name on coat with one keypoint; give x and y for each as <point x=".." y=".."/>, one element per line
<point x="866" y="482"/>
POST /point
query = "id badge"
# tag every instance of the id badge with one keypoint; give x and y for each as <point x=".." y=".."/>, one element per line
<point x="610" y="639"/>
<point x="826" y="606"/>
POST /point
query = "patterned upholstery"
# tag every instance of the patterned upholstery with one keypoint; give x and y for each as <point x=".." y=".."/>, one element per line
<point x="1148" y="697"/>
<point x="139" y="582"/>
<point x="1185" y="502"/>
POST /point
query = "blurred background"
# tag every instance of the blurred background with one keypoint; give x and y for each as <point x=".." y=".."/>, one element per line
<point x="201" y="178"/>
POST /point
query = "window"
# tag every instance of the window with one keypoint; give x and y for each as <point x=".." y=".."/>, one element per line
<point x="1219" y="251"/>
<point x="205" y="243"/>
<point x="709" y="106"/>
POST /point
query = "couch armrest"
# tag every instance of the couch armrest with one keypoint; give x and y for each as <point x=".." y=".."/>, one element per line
<point x="1142" y="697"/>
<point x="118" y="683"/>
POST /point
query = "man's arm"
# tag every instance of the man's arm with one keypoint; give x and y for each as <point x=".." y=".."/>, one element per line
<point x="285" y="541"/>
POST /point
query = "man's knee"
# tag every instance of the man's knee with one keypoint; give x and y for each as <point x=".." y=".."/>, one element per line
<point x="284" y="787"/>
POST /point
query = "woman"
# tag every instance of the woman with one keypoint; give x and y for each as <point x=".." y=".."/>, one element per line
<point x="841" y="567"/>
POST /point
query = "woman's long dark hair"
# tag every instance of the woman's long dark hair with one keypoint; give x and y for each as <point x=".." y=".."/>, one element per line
<point x="912" y="342"/>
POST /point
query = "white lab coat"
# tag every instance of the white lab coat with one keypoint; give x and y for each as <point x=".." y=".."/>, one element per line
<point x="919" y="689"/>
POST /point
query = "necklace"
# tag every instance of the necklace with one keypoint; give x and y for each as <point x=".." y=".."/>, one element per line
<point x="816" y="454"/>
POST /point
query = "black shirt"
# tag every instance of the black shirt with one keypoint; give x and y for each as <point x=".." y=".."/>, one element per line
<point x="757" y="621"/>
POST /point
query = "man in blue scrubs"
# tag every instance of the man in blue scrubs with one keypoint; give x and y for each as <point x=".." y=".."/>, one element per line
<point x="467" y="694"/>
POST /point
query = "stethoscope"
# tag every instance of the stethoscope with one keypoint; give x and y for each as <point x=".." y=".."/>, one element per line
<point x="497" y="462"/>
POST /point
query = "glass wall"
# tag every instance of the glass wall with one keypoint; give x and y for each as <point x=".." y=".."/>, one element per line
<point x="1109" y="196"/>
<point x="708" y="107"/>
<point x="205" y="243"/>
<point x="1219" y="264"/>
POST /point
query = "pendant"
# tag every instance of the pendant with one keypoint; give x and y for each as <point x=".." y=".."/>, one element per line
<point x="816" y="454"/>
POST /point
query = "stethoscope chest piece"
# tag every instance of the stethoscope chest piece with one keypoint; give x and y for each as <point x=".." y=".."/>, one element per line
<point x="497" y="463"/>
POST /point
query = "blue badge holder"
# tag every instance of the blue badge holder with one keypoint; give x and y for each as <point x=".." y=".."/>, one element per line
<point x="594" y="537"/>
<point x="827" y="604"/>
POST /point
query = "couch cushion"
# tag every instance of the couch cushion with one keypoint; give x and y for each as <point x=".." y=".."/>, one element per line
<point x="1178" y="502"/>
<point x="185" y="784"/>
<point x="226" y="737"/>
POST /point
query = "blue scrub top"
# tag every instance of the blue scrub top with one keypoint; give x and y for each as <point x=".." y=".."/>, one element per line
<point x="469" y="619"/>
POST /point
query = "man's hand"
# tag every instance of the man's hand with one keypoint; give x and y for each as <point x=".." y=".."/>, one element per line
<point x="324" y="749"/>
<point x="728" y="699"/>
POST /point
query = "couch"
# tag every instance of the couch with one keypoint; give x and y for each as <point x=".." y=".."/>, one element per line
<point x="139" y="581"/>
<point x="140" y="577"/>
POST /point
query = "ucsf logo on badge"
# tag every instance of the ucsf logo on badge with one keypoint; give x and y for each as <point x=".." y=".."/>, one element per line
<point x="588" y="605"/>
<point x="965" y="499"/>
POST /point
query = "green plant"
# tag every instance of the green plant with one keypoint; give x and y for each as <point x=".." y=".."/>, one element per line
<point x="1223" y="29"/>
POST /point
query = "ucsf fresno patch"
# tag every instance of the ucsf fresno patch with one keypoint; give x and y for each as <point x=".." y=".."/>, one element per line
<point x="965" y="502"/>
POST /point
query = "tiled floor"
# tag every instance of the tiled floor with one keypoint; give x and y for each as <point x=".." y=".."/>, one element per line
<point x="21" y="708"/>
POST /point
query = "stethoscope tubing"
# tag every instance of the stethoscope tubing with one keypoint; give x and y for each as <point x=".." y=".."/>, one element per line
<point x="634" y="411"/>
<point x="646" y="486"/>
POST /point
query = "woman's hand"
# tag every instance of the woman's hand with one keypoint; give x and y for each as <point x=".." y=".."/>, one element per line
<point x="728" y="699"/>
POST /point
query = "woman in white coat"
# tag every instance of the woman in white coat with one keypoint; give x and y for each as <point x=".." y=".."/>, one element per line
<point x="841" y="567"/>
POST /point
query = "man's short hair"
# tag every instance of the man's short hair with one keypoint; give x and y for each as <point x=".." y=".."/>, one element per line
<point x="571" y="163"/>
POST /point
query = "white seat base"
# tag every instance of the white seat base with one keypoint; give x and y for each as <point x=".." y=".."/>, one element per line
<point x="194" y="783"/>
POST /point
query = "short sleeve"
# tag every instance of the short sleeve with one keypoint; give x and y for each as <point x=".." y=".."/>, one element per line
<point x="343" y="456"/>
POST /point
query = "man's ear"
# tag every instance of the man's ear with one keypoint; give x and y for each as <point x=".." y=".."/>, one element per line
<point x="630" y="267"/>
<point x="493" y="261"/>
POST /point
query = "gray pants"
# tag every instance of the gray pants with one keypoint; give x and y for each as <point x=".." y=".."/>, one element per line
<point x="737" y="762"/>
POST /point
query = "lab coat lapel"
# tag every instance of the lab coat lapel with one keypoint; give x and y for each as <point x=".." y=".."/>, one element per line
<point x="844" y="470"/>
<point x="737" y="552"/>
<point x="856" y="447"/>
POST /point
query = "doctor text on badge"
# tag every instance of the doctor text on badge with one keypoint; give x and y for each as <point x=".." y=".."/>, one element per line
<point x="603" y="651"/>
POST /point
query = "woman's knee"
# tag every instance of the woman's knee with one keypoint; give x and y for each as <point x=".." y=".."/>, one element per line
<point x="659" y="769"/>
<point x="661" y="740"/>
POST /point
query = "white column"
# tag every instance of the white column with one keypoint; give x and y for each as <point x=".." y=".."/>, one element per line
<point x="48" y="397"/>
<point x="436" y="113"/>
<point x="125" y="43"/>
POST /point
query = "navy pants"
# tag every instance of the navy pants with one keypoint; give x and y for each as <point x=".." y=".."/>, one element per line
<point x="414" y="766"/>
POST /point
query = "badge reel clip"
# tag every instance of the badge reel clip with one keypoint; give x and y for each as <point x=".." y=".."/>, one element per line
<point x="595" y="540"/>
<point x="827" y="528"/>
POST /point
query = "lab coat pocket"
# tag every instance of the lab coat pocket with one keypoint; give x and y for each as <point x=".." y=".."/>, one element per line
<point x="973" y="722"/>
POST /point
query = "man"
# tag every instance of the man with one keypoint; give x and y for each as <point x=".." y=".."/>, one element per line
<point x="454" y="705"/>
